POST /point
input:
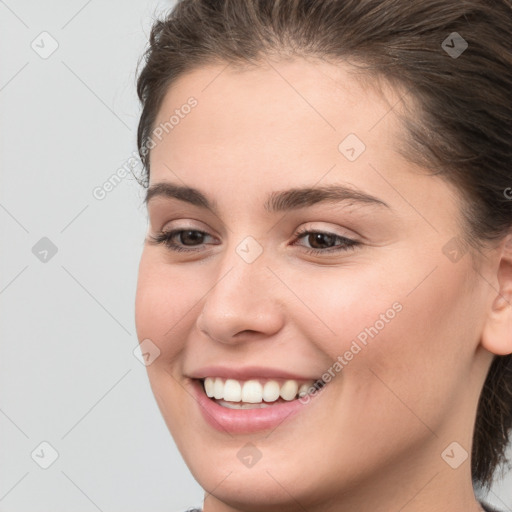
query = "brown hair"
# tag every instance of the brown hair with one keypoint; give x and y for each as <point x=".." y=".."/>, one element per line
<point x="463" y="131"/>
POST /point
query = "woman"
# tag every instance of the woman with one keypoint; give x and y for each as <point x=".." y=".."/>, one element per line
<point x="326" y="283"/>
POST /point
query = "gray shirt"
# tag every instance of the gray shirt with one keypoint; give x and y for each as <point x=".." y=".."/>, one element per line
<point x="486" y="507"/>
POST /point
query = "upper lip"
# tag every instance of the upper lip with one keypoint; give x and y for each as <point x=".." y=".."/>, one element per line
<point x="247" y="372"/>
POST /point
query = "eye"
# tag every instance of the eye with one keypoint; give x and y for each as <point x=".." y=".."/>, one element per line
<point x="194" y="238"/>
<point x="186" y="237"/>
<point x="321" y="238"/>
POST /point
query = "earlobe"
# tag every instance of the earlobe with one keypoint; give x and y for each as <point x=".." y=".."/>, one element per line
<point x="497" y="333"/>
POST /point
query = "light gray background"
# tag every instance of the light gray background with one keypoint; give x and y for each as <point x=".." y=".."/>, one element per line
<point x="68" y="375"/>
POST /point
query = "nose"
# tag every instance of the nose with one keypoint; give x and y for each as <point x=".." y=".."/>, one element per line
<point x="244" y="302"/>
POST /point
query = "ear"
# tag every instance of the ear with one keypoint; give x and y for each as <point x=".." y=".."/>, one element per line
<point x="497" y="332"/>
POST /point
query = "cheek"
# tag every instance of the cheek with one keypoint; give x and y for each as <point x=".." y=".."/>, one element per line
<point x="399" y="336"/>
<point x="335" y="307"/>
<point x="415" y="368"/>
<point x="164" y="305"/>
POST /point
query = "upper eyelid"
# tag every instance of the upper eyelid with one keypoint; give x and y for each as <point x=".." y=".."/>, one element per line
<point x="224" y="228"/>
<point x="303" y="229"/>
<point x="185" y="227"/>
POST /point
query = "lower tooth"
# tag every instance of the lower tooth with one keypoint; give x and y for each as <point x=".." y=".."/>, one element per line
<point x="238" y="405"/>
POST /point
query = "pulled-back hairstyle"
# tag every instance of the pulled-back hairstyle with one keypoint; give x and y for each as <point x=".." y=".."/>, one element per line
<point x="461" y="130"/>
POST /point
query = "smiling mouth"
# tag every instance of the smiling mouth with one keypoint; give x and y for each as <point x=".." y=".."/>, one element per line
<point x="257" y="393"/>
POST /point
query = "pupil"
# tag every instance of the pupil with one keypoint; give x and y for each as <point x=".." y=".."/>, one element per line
<point x="318" y="236"/>
<point x="186" y="234"/>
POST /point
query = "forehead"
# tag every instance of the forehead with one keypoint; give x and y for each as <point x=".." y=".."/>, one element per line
<point x="254" y="130"/>
<point x="278" y="115"/>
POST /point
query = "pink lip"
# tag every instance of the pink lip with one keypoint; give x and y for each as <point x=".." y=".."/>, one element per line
<point x="244" y="421"/>
<point x="246" y="373"/>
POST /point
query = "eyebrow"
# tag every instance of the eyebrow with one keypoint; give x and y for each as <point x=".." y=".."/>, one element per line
<point x="280" y="201"/>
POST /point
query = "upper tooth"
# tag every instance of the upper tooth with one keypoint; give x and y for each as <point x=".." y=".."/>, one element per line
<point x="271" y="391"/>
<point x="303" y="390"/>
<point x="209" y="385"/>
<point x="218" y="389"/>
<point x="232" y="391"/>
<point x="289" y="390"/>
<point x="253" y="391"/>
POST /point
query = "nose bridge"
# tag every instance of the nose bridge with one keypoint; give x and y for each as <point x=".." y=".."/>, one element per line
<point x="241" y="298"/>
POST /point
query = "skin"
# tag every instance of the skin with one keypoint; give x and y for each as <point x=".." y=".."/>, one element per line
<point x="372" y="439"/>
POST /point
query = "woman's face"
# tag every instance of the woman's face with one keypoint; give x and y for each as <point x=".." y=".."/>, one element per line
<point x="388" y="309"/>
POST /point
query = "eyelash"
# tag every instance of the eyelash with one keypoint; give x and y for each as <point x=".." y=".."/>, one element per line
<point x="166" y="238"/>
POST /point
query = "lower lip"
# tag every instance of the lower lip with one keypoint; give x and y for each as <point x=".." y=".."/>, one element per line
<point x="244" y="421"/>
